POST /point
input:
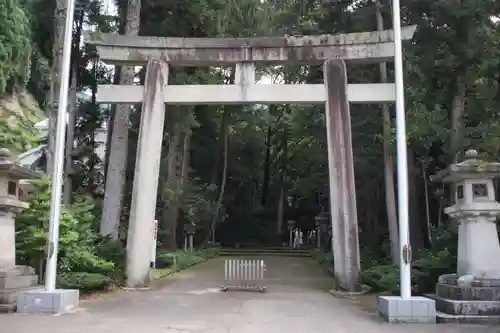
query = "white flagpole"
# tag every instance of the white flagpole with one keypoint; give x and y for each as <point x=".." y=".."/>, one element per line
<point x="57" y="174"/>
<point x="402" y="158"/>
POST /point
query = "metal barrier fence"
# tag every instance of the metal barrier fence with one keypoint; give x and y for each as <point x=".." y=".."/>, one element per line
<point x="241" y="274"/>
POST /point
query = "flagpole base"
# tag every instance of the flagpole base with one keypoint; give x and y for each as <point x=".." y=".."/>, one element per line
<point x="417" y="309"/>
<point x="40" y="301"/>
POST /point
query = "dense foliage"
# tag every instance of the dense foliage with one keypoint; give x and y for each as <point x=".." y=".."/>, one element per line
<point x="15" y="44"/>
<point x="246" y="170"/>
<point x="78" y="245"/>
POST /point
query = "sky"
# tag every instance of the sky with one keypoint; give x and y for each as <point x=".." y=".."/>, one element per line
<point x="109" y="7"/>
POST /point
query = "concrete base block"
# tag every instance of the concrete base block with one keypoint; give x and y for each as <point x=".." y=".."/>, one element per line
<point x="55" y="302"/>
<point x="394" y="309"/>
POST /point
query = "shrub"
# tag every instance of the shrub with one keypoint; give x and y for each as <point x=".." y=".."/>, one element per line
<point x="113" y="251"/>
<point x="78" y="242"/>
<point x="164" y="260"/>
<point x="382" y="278"/>
<point x="84" y="281"/>
<point x="209" y="252"/>
<point x="325" y="259"/>
<point x="185" y="260"/>
<point x="425" y="272"/>
<point x="426" y="269"/>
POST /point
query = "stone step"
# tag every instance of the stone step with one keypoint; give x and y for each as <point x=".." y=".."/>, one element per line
<point x="278" y="249"/>
<point x="16" y="271"/>
<point x="448" y="291"/>
<point x="444" y="318"/>
<point x="269" y="247"/>
<point x="265" y="251"/>
<point x="466" y="308"/>
<point x="8" y="308"/>
<point x="9" y="296"/>
<point x="20" y="281"/>
<point x="264" y="254"/>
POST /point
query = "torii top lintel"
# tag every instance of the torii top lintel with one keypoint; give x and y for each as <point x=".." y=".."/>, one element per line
<point x="373" y="46"/>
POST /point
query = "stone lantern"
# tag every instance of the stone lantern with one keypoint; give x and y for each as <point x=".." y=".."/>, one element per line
<point x="13" y="278"/>
<point x="473" y="293"/>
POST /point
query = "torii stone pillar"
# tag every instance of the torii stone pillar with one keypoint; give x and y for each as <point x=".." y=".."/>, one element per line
<point x="147" y="169"/>
<point x="344" y="219"/>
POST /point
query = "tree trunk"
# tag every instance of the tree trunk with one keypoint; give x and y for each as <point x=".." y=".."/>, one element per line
<point x="55" y="79"/>
<point x="371" y="223"/>
<point x="94" y="174"/>
<point x="283" y="190"/>
<point x="174" y="161"/>
<point x="220" y="145"/>
<point x="281" y="211"/>
<point x="122" y="12"/>
<point x="427" y="209"/>
<point x="457" y="113"/>
<point x="110" y="122"/>
<point x="116" y="169"/>
<point x="72" y="109"/>
<point x="218" y="149"/>
<point x="70" y="137"/>
<point x="186" y="151"/>
<point x="266" y="167"/>
<point x="224" y="174"/>
<point x="416" y="228"/>
<point x="390" y="197"/>
<point x="186" y="160"/>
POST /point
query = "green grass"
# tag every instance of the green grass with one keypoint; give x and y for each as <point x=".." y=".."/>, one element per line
<point x="170" y="263"/>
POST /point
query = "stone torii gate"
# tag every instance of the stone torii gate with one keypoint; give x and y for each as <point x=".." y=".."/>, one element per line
<point x="159" y="53"/>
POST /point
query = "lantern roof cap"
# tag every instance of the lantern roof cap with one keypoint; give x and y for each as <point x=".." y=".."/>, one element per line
<point x="471" y="168"/>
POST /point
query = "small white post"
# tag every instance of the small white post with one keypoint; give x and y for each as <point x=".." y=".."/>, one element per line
<point x="154" y="244"/>
<point x="402" y="158"/>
